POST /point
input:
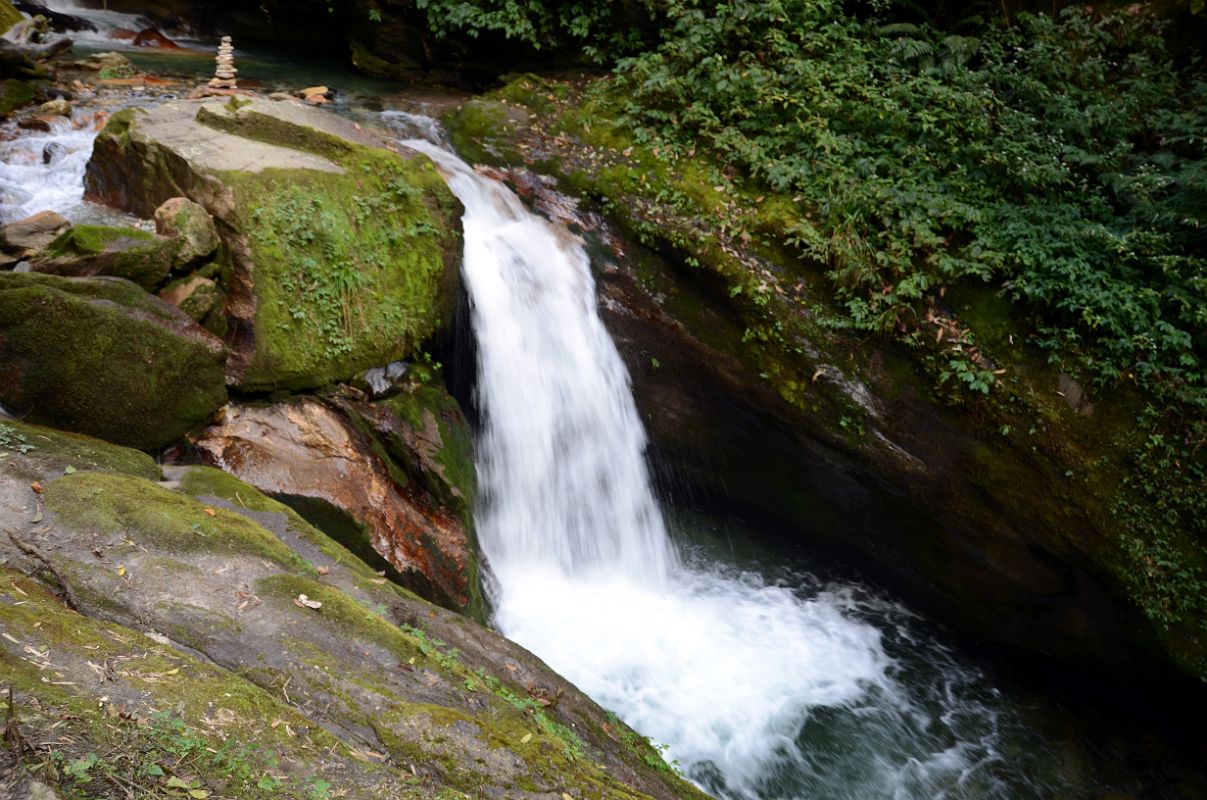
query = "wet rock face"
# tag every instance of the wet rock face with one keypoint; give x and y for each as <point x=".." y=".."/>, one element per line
<point x="219" y="617"/>
<point x="101" y="357"/>
<point x="313" y="456"/>
<point x="982" y="537"/>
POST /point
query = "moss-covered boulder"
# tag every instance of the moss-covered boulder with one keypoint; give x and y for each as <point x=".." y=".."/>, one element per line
<point x="40" y="453"/>
<point x="130" y="253"/>
<point x="337" y="253"/>
<point x="102" y="357"/>
<point x="396" y="505"/>
<point x="195" y="295"/>
<point x="182" y="219"/>
<point x="196" y="632"/>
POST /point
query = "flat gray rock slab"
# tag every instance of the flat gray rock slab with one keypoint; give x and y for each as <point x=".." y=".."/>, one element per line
<point x="174" y="126"/>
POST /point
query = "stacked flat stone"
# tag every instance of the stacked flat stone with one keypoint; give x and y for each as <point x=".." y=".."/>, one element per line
<point x="224" y="75"/>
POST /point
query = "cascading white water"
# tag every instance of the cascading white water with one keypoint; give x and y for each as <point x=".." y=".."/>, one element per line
<point x="45" y="170"/>
<point x="105" y="21"/>
<point x="724" y="669"/>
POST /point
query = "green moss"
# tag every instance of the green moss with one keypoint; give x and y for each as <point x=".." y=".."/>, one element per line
<point x="129" y="253"/>
<point x="480" y="131"/>
<point x="351" y="270"/>
<point x="86" y="240"/>
<point x="57" y="450"/>
<point x="102" y="368"/>
<point x="14" y="94"/>
<point x="121" y="123"/>
<point x="226" y="729"/>
<point x="139" y="509"/>
<point x="249" y="124"/>
<point x="355" y="620"/>
<point x="531" y="91"/>
<point x="117" y="292"/>
<point x="9" y="16"/>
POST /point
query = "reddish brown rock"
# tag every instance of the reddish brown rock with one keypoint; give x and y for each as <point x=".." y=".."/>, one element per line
<point x="149" y="37"/>
<point x="38" y="122"/>
<point x="304" y="451"/>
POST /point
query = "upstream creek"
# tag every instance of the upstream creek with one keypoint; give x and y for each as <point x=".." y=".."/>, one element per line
<point x="762" y="674"/>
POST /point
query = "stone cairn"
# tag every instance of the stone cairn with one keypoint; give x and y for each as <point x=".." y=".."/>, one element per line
<point x="224" y="74"/>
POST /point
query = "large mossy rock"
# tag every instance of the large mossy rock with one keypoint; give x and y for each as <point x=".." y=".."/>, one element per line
<point x="383" y="485"/>
<point x="88" y="250"/>
<point x="337" y="253"/>
<point x="102" y="357"/>
<point x="197" y="630"/>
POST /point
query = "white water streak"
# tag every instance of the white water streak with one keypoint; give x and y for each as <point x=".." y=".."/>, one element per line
<point x="561" y="457"/>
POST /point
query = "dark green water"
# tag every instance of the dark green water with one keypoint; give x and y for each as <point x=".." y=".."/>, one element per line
<point x="964" y="725"/>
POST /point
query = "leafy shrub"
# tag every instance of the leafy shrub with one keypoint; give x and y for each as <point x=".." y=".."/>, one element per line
<point x="600" y="28"/>
<point x="1058" y="160"/>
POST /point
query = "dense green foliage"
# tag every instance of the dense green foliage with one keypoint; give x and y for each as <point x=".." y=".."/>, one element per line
<point x="600" y="28"/>
<point x="1058" y="160"/>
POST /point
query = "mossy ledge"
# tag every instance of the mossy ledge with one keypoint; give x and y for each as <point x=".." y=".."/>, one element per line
<point x="250" y="656"/>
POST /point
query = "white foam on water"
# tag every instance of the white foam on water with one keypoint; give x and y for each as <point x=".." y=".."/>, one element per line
<point x="106" y="22"/>
<point x="45" y="171"/>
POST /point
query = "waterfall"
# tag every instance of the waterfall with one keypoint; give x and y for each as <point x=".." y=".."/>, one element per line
<point x="562" y="454"/>
<point x="724" y="669"/>
<point x="105" y="21"/>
